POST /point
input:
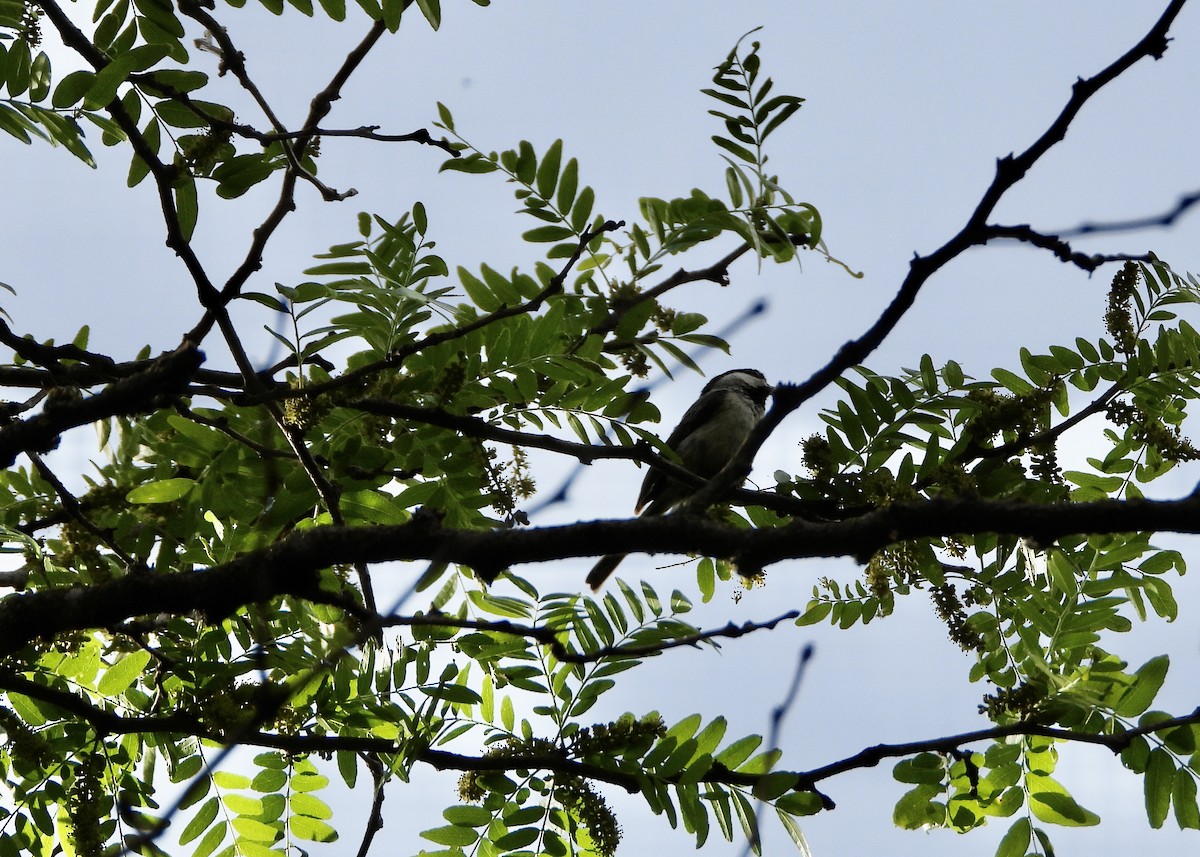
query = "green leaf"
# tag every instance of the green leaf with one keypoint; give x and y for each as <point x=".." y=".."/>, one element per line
<point x="568" y="183"/>
<point x="544" y="234"/>
<point x="1147" y="681"/>
<point x="215" y="836"/>
<point x="816" y="612"/>
<point x="473" y="163"/>
<point x="39" y="77"/>
<point x="480" y="294"/>
<point x="163" y="491"/>
<point x="19" y="62"/>
<point x="794" y="832"/>
<point x="269" y="781"/>
<point x="735" y="149"/>
<point x="308" y="781"/>
<point x="515" y="839"/>
<point x="72" y="88"/>
<point x="311" y="829"/>
<point x="547" y="172"/>
<point x="104" y="87"/>
<point x="308" y="805"/>
<point x="200" y="821"/>
<point x="1016" y="841"/>
<point x="231" y="780"/>
<point x="255" y="830"/>
<point x="738" y="752"/>
<point x="1158" y="784"/>
<point x="748" y="820"/>
<point x="432" y="10"/>
<point x="123" y="673"/>
<point x="237" y="175"/>
<point x="186" y="204"/>
<point x="1013" y="382"/>
<point x="581" y="212"/>
<point x="1052" y="803"/>
<point x="467" y="816"/>
<point x="918" y="809"/>
<point x="1187" y="815"/>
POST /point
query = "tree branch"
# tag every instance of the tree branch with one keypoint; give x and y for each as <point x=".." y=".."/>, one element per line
<point x="552" y="637"/>
<point x="291" y="566"/>
<point x="1060" y="248"/>
<point x="162" y="380"/>
<point x="718" y="273"/>
<point x="321" y="105"/>
<point x="872" y="756"/>
<point x="1184" y="204"/>
<point x="164" y="175"/>
<point x="1009" y="171"/>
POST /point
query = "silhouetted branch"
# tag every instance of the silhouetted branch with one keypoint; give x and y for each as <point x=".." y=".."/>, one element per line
<point x="151" y="388"/>
<point x="1167" y="218"/>
<point x="1060" y="248"/>
<point x="164" y="175"/>
<point x="291" y="566"/>
<point x="552" y="637"/>
<point x="1009" y="171"/>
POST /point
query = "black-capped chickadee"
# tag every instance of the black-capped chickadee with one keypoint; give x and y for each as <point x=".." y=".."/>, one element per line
<point x="706" y="439"/>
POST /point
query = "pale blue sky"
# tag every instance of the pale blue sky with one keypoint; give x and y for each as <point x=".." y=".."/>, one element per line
<point x="908" y="105"/>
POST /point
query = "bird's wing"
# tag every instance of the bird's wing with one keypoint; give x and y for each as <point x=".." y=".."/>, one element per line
<point x="697" y="415"/>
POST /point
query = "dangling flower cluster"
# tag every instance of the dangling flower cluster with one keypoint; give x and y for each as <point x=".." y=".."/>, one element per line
<point x="581" y="800"/>
<point x="1044" y="463"/>
<point x="1021" y="702"/>
<point x="303" y="412"/>
<point x="204" y="151"/>
<point x="818" y="458"/>
<point x="1117" y="318"/>
<point x="454" y="375"/>
<point x="31" y="26"/>
<point x="1153" y="432"/>
<point x="86" y="808"/>
<point x="1000" y="413"/>
<point x="897" y="562"/>
<point x="469" y="786"/>
<point x="950" y="610"/>
<point x="508" y="482"/>
<point x="23" y="744"/>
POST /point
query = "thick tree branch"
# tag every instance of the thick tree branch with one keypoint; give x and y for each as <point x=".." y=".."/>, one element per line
<point x="108" y="722"/>
<point x="151" y="388"/>
<point x="291" y="566"/>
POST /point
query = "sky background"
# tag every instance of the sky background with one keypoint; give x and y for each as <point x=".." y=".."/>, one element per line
<point x="908" y="106"/>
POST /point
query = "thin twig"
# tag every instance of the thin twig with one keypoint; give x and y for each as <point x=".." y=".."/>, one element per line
<point x="1167" y="218"/>
<point x="777" y="716"/>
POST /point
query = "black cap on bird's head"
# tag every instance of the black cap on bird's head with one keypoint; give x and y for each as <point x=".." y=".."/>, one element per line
<point x="750" y="381"/>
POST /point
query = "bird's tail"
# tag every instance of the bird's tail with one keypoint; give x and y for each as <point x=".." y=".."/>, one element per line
<point x="606" y="565"/>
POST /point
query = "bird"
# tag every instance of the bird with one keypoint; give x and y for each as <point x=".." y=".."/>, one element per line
<point x="710" y="434"/>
